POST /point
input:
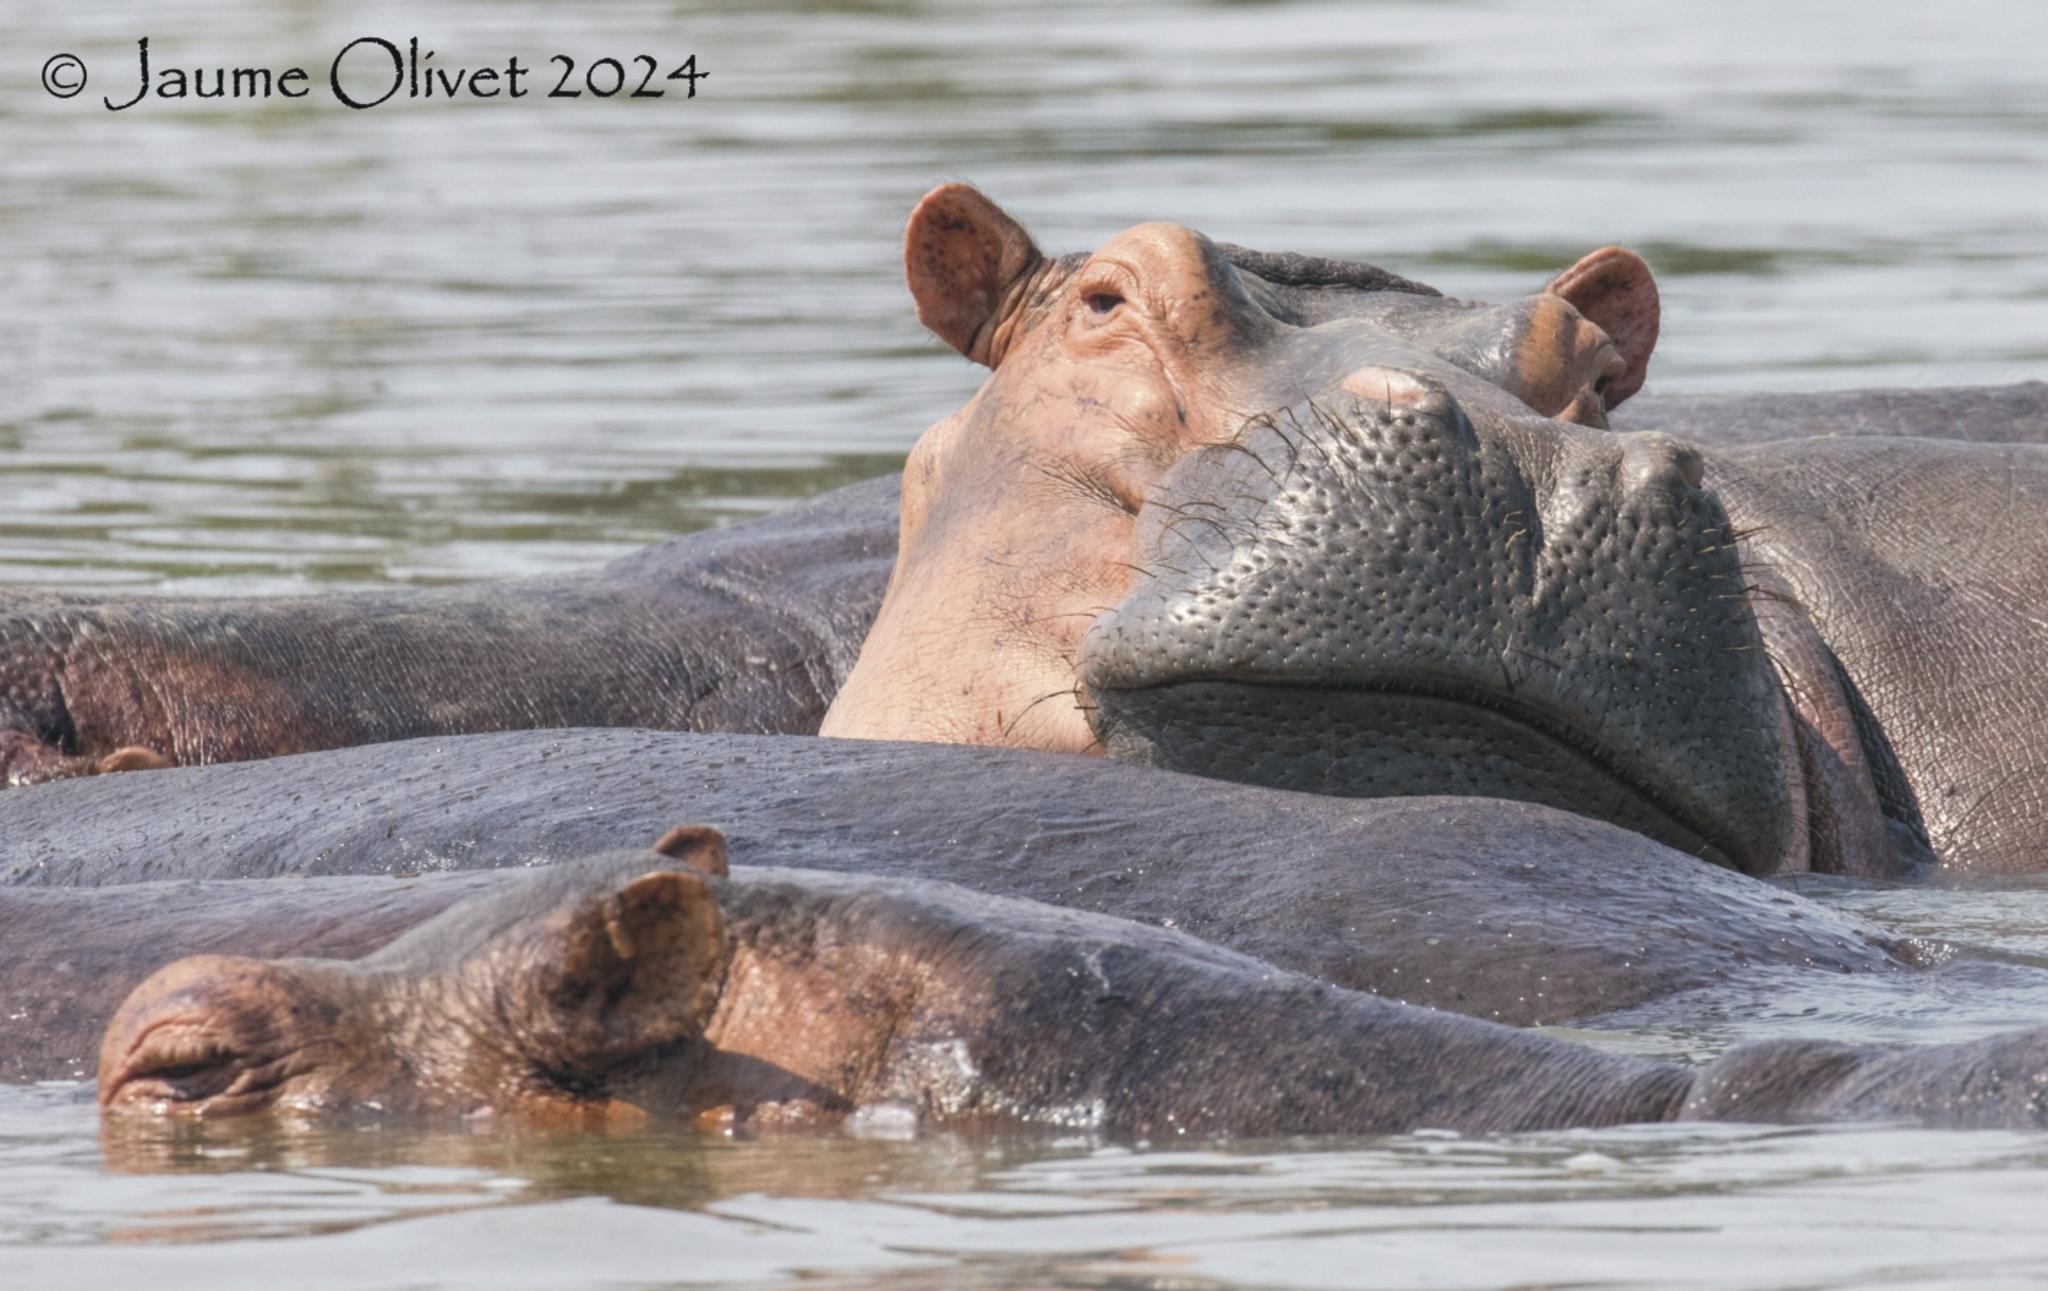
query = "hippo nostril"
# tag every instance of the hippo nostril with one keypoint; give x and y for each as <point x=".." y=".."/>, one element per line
<point x="1656" y="460"/>
<point x="1394" y="387"/>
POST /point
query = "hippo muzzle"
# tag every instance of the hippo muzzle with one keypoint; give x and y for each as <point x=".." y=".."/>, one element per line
<point x="1373" y="594"/>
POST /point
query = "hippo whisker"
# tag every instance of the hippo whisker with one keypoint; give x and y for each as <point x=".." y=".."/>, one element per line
<point x="1086" y="483"/>
<point x="1181" y="517"/>
<point x="1091" y="613"/>
<point x="1238" y="446"/>
<point x="1072" y="692"/>
<point x="1315" y="442"/>
<point x="1289" y="436"/>
<point x="1143" y="571"/>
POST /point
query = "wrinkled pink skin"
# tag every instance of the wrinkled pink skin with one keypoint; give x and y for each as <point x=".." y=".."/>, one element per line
<point x="1019" y="511"/>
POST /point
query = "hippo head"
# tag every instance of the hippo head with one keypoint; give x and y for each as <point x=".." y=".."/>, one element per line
<point x="1308" y="524"/>
<point x="559" y="1001"/>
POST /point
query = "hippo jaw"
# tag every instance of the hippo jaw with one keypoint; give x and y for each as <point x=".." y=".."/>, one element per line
<point x="1387" y="739"/>
<point x="1371" y="597"/>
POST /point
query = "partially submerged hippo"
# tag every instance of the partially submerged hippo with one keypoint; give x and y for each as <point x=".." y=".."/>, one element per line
<point x="1502" y="910"/>
<point x="1264" y="534"/>
<point x="637" y="985"/>
<point x="749" y="629"/>
<point x="753" y="628"/>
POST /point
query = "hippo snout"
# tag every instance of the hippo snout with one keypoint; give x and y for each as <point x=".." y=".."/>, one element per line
<point x="1388" y="592"/>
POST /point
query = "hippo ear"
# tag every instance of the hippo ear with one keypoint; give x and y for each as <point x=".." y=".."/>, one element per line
<point x="635" y="968"/>
<point x="963" y="256"/>
<point x="700" y="847"/>
<point x="1614" y="289"/>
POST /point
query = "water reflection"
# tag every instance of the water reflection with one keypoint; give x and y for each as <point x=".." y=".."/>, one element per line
<point x="1672" y="1205"/>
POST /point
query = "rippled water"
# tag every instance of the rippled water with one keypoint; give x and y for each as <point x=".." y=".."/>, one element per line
<point x="252" y="347"/>
<point x="1663" y="1206"/>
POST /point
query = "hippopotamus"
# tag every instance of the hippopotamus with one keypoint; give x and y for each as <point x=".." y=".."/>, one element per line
<point x="1199" y="520"/>
<point x="746" y="628"/>
<point x="666" y="984"/>
<point x="754" y="628"/>
<point x="1504" y="910"/>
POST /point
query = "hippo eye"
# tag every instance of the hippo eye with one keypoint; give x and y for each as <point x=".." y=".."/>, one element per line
<point x="1102" y="303"/>
<point x="189" y="1075"/>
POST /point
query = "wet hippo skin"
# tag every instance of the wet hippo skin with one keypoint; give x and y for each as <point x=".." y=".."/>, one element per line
<point x="2009" y="414"/>
<point x="1504" y="910"/>
<point x="609" y="990"/>
<point x="746" y="628"/>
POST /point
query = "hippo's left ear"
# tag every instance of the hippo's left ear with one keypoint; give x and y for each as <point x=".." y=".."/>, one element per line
<point x="1613" y="288"/>
<point x="965" y="258"/>
<point x="634" y="968"/>
<point x="700" y="847"/>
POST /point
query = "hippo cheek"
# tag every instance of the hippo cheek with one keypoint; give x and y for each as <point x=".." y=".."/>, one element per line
<point x="1375" y="597"/>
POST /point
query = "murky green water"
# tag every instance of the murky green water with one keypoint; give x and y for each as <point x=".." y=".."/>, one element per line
<point x="259" y="346"/>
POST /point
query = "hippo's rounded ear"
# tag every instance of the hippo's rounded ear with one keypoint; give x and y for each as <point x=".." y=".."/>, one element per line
<point x="964" y="258"/>
<point x="700" y="847"/>
<point x="634" y="968"/>
<point x="1615" y="290"/>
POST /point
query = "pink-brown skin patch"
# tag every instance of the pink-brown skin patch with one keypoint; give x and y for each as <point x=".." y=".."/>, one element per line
<point x="700" y="847"/>
<point x="577" y="989"/>
<point x="1612" y="291"/>
<point x="1018" y="523"/>
<point x="632" y="996"/>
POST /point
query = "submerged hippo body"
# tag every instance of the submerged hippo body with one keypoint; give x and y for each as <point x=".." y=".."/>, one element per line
<point x="72" y="954"/>
<point x="638" y="985"/>
<point x="1503" y="910"/>
<point x="2008" y="414"/>
<point x="746" y="628"/>
<point x="1389" y="576"/>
